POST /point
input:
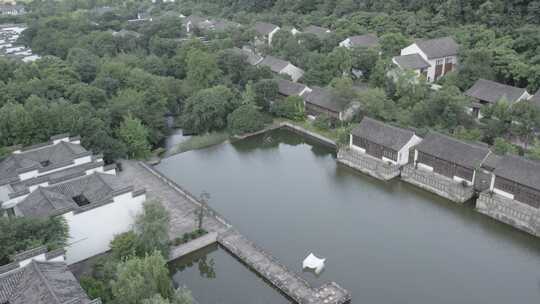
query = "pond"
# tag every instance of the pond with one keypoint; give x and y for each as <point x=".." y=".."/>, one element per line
<point x="385" y="242"/>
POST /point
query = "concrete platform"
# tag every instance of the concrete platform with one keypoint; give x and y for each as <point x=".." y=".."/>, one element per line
<point x="509" y="211"/>
<point x="438" y="184"/>
<point x="368" y="165"/>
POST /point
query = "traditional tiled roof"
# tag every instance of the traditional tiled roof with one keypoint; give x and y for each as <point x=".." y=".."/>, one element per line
<point x="523" y="171"/>
<point x="383" y="134"/>
<point x="439" y="47"/>
<point x="324" y="98"/>
<point x="58" y="199"/>
<point x="492" y="92"/>
<point x="275" y="64"/>
<point x="289" y="88"/>
<point x="412" y="61"/>
<point x="264" y="28"/>
<point x="38" y="158"/>
<point x="368" y="40"/>
<point x="41" y="283"/>
<point x="465" y="154"/>
<point x="318" y="31"/>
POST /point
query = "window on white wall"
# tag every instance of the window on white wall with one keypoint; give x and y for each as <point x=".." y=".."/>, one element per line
<point x="439" y="62"/>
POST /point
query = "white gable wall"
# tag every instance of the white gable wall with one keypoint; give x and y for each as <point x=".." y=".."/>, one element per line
<point x="403" y="154"/>
<point x="92" y="231"/>
<point x="271" y="35"/>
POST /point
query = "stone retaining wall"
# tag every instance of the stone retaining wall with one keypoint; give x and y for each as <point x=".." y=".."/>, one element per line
<point x="437" y="184"/>
<point x="368" y="164"/>
<point x="509" y="211"/>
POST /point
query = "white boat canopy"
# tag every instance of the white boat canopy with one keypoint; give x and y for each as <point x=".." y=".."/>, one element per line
<point x="313" y="262"/>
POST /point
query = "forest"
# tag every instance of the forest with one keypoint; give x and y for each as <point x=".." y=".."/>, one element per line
<point x="112" y="80"/>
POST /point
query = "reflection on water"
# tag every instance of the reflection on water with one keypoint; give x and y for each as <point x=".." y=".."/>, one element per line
<point x="386" y="242"/>
<point x="214" y="276"/>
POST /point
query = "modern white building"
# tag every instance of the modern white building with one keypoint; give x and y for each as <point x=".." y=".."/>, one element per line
<point x="432" y="58"/>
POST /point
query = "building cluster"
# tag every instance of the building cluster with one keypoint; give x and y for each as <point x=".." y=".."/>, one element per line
<point x="38" y="276"/>
<point x="11" y="9"/>
<point x="9" y="34"/>
<point x="60" y="178"/>
<point x="508" y="187"/>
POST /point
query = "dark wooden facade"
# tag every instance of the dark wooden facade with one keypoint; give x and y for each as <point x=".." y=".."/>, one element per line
<point x="313" y="109"/>
<point x="374" y="149"/>
<point x="521" y="192"/>
<point x="445" y="168"/>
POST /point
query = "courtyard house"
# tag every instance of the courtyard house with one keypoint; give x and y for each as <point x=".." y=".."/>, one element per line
<point x="281" y="66"/>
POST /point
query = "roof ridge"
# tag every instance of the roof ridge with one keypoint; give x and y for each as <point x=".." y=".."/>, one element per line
<point x="44" y="280"/>
<point x="100" y="177"/>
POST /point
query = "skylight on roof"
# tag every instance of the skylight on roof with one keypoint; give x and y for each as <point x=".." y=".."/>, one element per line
<point x="81" y="200"/>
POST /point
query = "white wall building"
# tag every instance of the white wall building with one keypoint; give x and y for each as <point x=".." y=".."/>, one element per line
<point x="441" y="54"/>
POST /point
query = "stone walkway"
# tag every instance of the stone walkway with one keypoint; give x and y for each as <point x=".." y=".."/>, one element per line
<point x="183" y="212"/>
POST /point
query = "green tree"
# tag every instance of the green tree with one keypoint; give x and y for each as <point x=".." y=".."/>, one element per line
<point x="151" y="227"/>
<point x="503" y="147"/>
<point x="19" y="234"/>
<point x="135" y="136"/>
<point x="392" y="43"/>
<point x="291" y="107"/>
<point x="84" y="63"/>
<point x="124" y="245"/>
<point x="534" y="152"/>
<point x="207" y="110"/>
<point x="266" y="91"/>
<point x="246" y="119"/>
<point x="140" y="278"/>
<point x="202" y="69"/>
<point x="376" y="104"/>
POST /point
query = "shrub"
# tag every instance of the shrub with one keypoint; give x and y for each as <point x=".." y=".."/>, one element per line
<point x="246" y="119"/>
<point x="291" y="107"/>
<point x="323" y="122"/>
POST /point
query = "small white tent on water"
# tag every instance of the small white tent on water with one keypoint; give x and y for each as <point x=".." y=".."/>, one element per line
<point x="313" y="262"/>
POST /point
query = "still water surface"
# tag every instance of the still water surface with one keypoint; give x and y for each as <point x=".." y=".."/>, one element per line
<point x="384" y="242"/>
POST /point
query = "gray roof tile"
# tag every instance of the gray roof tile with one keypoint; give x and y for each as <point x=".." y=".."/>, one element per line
<point x="264" y="28"/>
<point x="383" y="134"/>
<point x="324" y="98"/>
<point x="318" y="31"/>
<point x="520" y="170"/>
<point x="58" y="198"/>
<point x="41" y="283"/>
<point x="466" y="154"/>
<point x="53" y="154"/>
<point x="368" y="40"/>
<point x="275" y="64"/>
<point x="439" y="47"/>
<point x="289" y="88"/>
<point x="412" y="61"/>
<point x="492" y="92"/>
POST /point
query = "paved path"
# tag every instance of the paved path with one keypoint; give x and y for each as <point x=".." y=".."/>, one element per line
<point x="192" y="246"/>
<point x="183" y="208"/>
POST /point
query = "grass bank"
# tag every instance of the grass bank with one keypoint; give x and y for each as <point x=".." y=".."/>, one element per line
<point x="201" y="141"/>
